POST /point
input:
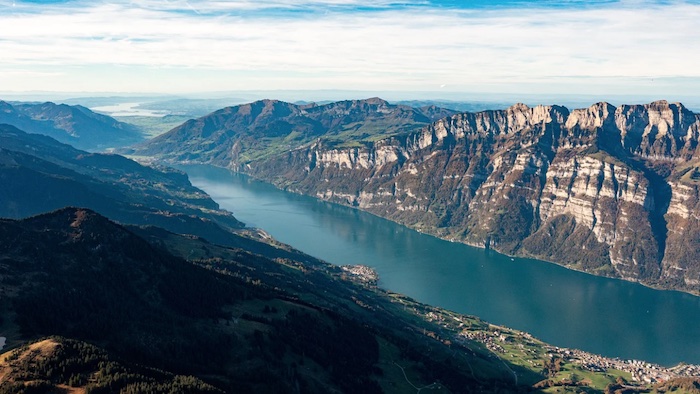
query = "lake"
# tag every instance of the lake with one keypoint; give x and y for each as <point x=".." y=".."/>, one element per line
<point x="560" y="306"/>
<point x="128" y="109"/>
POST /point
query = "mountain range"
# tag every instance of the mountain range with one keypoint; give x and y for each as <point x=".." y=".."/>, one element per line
<point x="70" y="124"/>
<point x="180" y="297"/>
<point x="608" y="190"/>
<point x="257" y="130"/>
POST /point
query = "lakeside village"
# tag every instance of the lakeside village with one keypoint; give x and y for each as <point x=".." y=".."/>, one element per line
<point x="508" y="343"/>
<point x="641" y="371"/>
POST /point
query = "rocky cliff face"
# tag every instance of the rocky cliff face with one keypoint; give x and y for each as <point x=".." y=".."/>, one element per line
<point x="608" y="190"/>
<point x="612" y="191"/>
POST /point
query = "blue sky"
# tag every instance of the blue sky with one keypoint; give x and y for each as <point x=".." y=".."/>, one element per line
<point x="629" y="47"/>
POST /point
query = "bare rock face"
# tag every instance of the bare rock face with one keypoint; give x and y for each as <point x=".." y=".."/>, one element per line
<point x="658" y="130"/>
<point x="597" y="189"/>
<point x="609" y="190"/>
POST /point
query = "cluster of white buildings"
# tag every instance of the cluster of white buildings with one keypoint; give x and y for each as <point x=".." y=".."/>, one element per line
<point x="642" y="371"/>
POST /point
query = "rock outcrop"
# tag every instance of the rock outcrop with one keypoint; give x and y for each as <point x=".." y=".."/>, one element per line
<point x="607" y="190"/>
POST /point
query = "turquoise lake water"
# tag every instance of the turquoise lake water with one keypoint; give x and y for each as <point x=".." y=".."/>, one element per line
<point x="560" y="306"/>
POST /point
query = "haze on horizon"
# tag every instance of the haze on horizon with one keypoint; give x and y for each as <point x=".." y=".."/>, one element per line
<point x="595" y="48"/>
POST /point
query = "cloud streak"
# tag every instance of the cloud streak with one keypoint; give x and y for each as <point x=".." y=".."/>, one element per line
<point x="348" y="43"/>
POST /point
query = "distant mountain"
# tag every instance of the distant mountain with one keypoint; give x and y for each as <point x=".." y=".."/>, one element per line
<point x="608" y="190"/>
<point x="74" y="125"/>
<point x="40" y="174"/>
<point x="268" y="127"/>
<point x="458" y="106"/>
<point x="244" y="324"/>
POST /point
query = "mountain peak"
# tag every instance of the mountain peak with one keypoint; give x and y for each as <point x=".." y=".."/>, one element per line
<point x="371" y="102"/>
<point x="375" y="101"/>
<point x="83" y="216"/>
<point x="268" y="101"/>
<point x="592" y="117"/>
<point x="6" y="108"/>
<point x="519" y="107"/>
<point x="71" y="218"/>
<point x="602" y="106"/>
<point x="659" y="103"/>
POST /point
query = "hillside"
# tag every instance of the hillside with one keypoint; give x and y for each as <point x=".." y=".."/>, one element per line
<point x="90" y="306"/>
<point x="61" y="365"/>
<point x="70" y="124"/>
<point x="40" y="174"/>
<point x="265" y="128"/>
<point x="238" y="321"/>
<point x="607" y="190"/>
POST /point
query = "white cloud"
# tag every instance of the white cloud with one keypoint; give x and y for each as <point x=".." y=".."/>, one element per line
<point x="395" y="48"/>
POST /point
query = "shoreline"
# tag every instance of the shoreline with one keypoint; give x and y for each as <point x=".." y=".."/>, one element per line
<point x="476" y="247"/>
<point x="431" y="232"/>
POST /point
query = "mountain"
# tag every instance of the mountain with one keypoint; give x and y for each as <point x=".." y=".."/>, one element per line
<point x="608" y="190"/>
<point x="458" y="106"/>
<point x="40" y="174"/>
<point x="237" y="321"/>
<point x="70" y="124"/>
<point x="89" y="305"/>
<point x="269" y="127"/>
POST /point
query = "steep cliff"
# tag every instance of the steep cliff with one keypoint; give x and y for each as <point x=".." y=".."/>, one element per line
<point x="608" y="190"/>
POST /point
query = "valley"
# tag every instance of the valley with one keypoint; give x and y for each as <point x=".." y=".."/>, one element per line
<point x="248" y="289"/>
<point x="557" y="305"/>
<point x="545" y="182"/>
<point x="349" y="196"/>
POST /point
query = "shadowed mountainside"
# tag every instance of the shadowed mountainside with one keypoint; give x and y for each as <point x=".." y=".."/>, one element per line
<point x="70" y="124"/>
<point x="239" y="321"/>
<point x="40" y="174"/>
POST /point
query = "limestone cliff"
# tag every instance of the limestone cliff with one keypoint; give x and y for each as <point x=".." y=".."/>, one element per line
<point x="609" y="190"/>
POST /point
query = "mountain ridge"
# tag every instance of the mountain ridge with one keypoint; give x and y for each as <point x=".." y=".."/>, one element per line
<point x="547" y="182"/>
<point x="234" y="318"/>
<point x="268" y="127"/>
<point x="75" y="125"/>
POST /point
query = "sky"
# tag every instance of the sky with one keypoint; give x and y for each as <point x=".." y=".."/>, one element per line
<point x="448" y="47"/>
